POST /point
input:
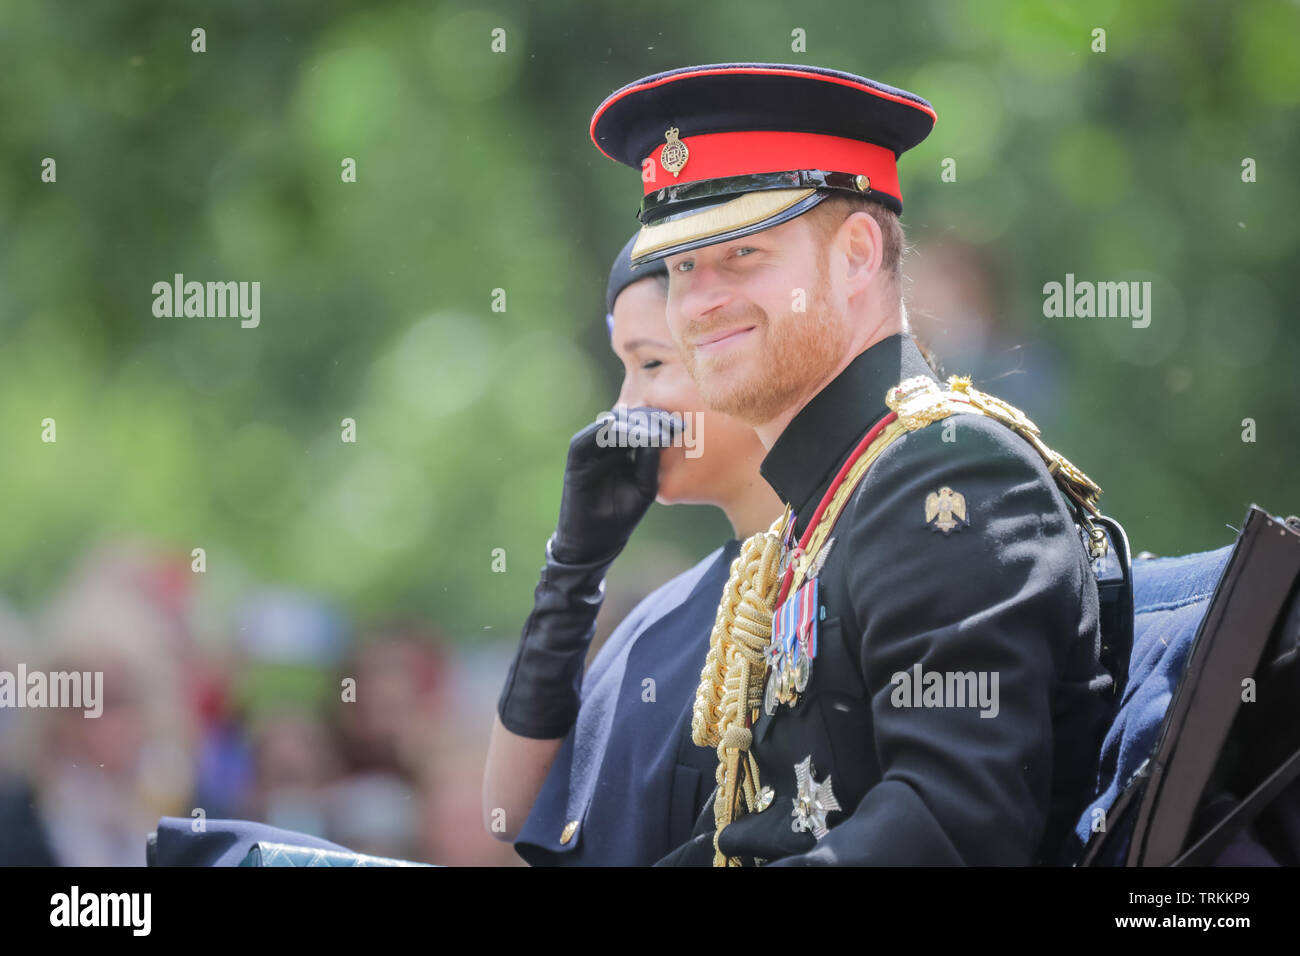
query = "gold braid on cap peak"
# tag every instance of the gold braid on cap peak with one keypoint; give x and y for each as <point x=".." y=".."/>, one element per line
<point x="735" y="670"/>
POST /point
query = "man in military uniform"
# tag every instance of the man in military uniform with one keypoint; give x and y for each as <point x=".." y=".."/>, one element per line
<point x="909" y="670"/>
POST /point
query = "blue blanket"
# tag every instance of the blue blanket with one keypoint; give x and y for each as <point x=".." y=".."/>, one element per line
<point x="1170" y="596"/>
<point x="223" y="842"/>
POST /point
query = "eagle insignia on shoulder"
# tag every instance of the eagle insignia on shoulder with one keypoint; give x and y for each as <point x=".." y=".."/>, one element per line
<point x="945" y="510"/>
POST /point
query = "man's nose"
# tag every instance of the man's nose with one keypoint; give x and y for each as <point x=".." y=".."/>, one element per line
<point x="706" y="294"/>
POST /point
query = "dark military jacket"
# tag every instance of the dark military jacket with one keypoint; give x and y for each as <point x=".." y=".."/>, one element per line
<point x="1009" y="595"/>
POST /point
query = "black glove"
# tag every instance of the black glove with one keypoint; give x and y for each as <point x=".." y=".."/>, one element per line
<point x="756" y="833"/>
<point x="752" y="834"/>
<point x="607" y="489"/>
<point x="610" y="482"/>
<point x="698" y="850"/>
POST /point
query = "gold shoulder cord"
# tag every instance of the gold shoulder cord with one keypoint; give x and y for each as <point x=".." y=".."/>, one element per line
<point x="735" y="671"/>
<point x="731" y="684"/>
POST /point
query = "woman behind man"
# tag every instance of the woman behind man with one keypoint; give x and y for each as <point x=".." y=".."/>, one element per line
<point x="607" y="774"/>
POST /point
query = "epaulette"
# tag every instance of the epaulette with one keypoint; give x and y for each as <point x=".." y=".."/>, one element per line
<point x="919" y="401"/>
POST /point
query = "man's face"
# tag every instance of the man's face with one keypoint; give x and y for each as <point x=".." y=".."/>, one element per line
<point x="732" y="312"/>
<point x="655" y="376"/>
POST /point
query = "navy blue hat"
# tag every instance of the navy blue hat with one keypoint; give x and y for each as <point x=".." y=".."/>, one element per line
<point x="622" y="274"/>
<point x="729" y="149"/>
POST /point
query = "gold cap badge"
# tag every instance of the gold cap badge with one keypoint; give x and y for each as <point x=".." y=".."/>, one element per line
<point x="674" y="154"/>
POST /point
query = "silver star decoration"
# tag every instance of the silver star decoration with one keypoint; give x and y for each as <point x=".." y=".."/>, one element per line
<point x="813" y="802"/>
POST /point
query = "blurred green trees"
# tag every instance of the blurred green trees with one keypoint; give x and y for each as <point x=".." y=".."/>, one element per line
<point x="475" y="173"/>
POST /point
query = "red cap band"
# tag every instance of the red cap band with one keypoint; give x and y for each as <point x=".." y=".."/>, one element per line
<point x="718" y="155"/>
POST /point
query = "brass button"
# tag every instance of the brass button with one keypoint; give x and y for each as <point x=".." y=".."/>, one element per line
<point x="569" y="829"/>
<point x="862" y="182"/>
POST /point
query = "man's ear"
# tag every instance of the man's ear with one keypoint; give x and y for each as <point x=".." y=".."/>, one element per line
<point x="863" y="245"/>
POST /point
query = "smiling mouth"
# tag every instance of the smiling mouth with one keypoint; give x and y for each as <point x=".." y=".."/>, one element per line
<point x="723" y="339"/>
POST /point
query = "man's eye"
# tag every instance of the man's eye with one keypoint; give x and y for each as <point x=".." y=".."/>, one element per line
<point x="653" y="363"/>
<point x="745" y="250"/>
<point x="686" y="266"/>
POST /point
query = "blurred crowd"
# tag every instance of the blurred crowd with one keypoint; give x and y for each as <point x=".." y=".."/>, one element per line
<point x="269" y="707"/>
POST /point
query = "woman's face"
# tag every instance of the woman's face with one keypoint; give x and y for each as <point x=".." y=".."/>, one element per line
<point x="725" y="453"/>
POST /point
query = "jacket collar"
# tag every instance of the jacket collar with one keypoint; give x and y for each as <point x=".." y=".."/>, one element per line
<point x="818" y="440"/>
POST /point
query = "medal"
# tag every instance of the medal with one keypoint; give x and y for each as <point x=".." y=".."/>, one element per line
<point x="789" y="555"/>
<point x="814" y="801"/>
<point x="792" y="649"/>
<point x="802" y="670"/>
<point x="789" y="550"/>
<point x="774" y="657"/>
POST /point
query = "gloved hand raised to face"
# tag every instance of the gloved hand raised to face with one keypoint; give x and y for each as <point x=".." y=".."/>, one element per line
<point x="611" y="478"/>
<point x="610" y="481"/>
